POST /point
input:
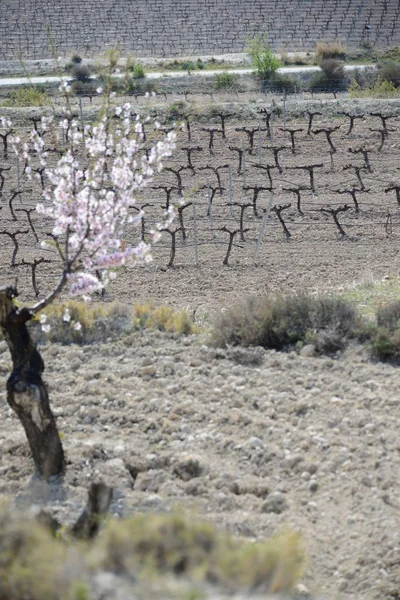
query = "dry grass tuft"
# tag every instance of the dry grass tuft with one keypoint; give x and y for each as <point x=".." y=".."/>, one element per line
<point x="163" y="318"/>
<point x="324" y="51"/>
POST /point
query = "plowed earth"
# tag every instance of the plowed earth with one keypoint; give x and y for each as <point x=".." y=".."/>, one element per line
<point x="278" y="440"/>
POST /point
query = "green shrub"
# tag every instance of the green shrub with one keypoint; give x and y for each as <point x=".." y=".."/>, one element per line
<point x="188" y="65"/>
<point x="385" y="338"/>
<point x="385" y="345"/>
<point x="263" y="59"/>
<point x="284" y="322"/>
<point x="390" y="71"/>
<point x="28" y="96"/>
<point x="226" y="81"/>
<point x="380" y="89"/>
<point x="138" y="71"/>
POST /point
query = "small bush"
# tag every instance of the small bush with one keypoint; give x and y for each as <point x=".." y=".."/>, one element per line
<point x="28" y="96"/>
<point x="283" y="322"/>
<point x="332" y="68"/>
<point x="385" y="345"/>
<point x="390" y="71"/>
<point x="76" y="58"/>
<point x="85" y="88"/>
<point x="32" y="562"/>
<point x="324" y="51"/>
<point x="170" y="544"/>
<point x="300" y="60"/>
<point x="332" y="76"/>
<point x="385" y="339"/>
<point x="284" y="57"/>
<point x="226" y="81"/>
<point x="389" y="316"/>
<point x="98" y="322"/>
<point x="34" y="565"/>
<point x="263" y="59"/>
<point x="175" y="111"/>
<point x="392" y="54"/>
<point x="79" y="72"/>
<point x="380" y="89"/>
<point x="188" y="65"/>
<point x="280" y="82"/>
<point x="130" y="86"/>
<point x="138" y="71"/>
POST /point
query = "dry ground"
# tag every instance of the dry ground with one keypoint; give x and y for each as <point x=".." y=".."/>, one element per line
<point x="276" y="440"/>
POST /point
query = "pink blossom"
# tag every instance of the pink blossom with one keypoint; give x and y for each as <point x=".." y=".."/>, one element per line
<point x="89" y="196"/>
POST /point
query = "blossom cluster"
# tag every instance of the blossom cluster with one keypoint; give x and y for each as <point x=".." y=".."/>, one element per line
<point x="90" y="190"/>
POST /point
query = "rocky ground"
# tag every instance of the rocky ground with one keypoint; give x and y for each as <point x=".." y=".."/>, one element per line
<point x="256" y="441"/>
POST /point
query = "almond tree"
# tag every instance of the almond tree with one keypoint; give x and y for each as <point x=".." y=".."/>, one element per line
<point x="88" y="201"/>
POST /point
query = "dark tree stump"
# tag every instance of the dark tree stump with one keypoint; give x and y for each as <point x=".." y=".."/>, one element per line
<point x="26" y="391"/>
<point x="90" y="520"/>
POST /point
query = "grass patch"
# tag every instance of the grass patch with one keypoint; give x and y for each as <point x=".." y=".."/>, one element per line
<point x="27" y="96"/>
<point x="163" y="318"/>
<point x="370" y="295"/>
<point x="226" y="81"/>
<point x="100" y="321"/>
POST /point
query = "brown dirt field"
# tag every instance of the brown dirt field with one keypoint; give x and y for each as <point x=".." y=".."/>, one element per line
<point x="319" y="436"/>
<point x="315" y="257"/>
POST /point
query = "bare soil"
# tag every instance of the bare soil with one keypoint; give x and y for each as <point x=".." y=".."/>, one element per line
<point x="279" y="440"/>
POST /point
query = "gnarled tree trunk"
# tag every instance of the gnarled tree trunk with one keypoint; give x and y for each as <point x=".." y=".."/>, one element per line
<point x="26" y="391"/>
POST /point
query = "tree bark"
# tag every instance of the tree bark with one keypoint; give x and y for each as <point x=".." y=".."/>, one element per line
<point x="26" y="391"/>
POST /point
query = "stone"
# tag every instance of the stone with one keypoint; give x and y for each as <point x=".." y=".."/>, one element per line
<point x="308" y="350"/>
<point x="275" y="503"/>
<point x="148" y="372"/>
<point x="188" y="468"/>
